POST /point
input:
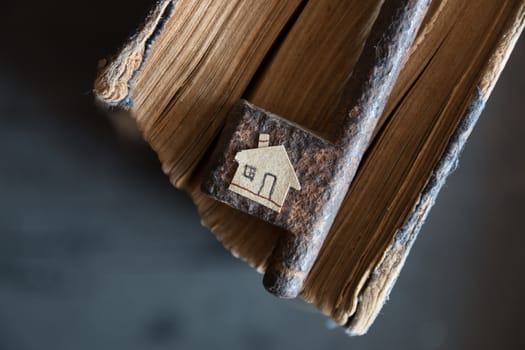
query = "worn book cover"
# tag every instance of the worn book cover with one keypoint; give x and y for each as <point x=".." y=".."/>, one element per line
<point x="190" y="63"/>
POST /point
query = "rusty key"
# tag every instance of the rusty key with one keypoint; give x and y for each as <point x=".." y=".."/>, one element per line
<point x="281" y="173"/>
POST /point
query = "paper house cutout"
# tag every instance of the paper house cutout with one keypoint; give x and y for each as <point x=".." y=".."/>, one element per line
<point x="265" y="174"/>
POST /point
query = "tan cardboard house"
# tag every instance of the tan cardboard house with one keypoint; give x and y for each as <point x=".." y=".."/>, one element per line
<point x="265" y="174"/>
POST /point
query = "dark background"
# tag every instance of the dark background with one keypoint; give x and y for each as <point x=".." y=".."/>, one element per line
<point x="98" y="251"/>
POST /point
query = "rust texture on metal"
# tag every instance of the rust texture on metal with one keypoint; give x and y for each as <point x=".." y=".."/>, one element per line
<point x="325" y="169"/>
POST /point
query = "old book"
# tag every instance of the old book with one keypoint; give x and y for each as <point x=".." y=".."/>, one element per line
<point x="191" y="62"/>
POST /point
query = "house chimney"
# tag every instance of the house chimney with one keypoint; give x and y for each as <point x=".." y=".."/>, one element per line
<point x="264" y="140"/>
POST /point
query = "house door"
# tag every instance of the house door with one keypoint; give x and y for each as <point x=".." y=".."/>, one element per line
<point x="267" y="185"/>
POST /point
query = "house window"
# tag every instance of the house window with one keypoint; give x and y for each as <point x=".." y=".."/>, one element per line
<point x="249" y="172"/>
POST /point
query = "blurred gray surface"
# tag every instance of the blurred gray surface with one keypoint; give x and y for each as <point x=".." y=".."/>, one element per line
<point x="98" y="251"/>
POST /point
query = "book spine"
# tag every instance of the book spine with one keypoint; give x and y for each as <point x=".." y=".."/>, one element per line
<point x="381" y="281"/>
<point x="112" y="85"/>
